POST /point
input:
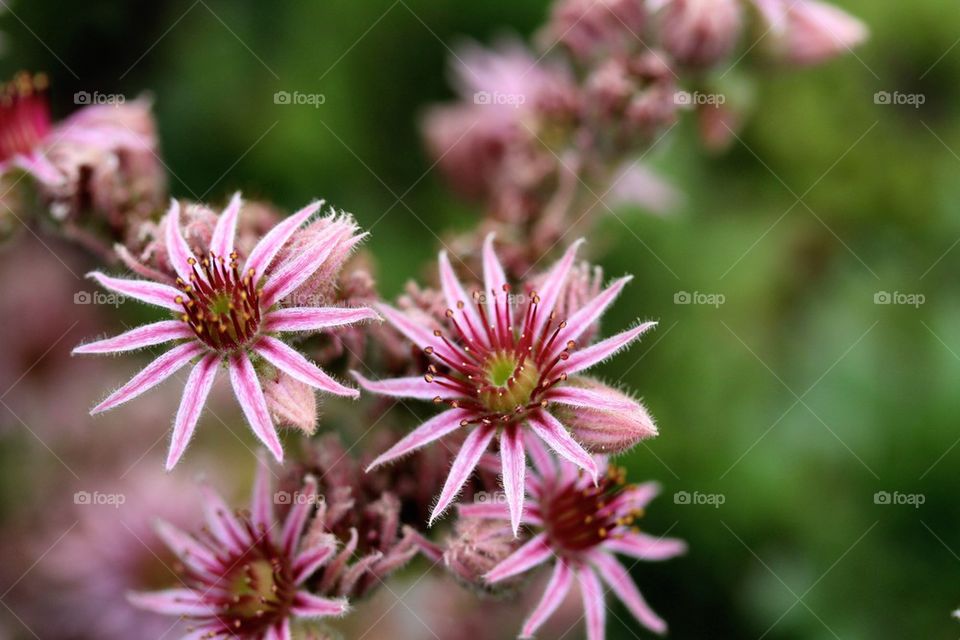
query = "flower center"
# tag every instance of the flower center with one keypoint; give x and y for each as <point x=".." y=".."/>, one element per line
<point x="511" y="383"/>
<point x="578" y="517"/>
<point x="257" y="591"/>
<point x="24" y="114"/>
<point x="222" y="308"/>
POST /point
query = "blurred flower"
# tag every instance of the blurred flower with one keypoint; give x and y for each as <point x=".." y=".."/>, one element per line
<point x="476" y="547"/>
<point x="809" y="32"/>
<point x="581" y="526"/>
<point x="593" y="28"/>
<point x="700" y="33"/>
<point x="502" y="361"/>
<point x="96" y="169"/>
<point x="244" y="574"/>
<point x="225" y="315"/>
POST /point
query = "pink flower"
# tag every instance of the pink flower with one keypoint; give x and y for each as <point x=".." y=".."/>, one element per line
<point x="244" y="574"/>
<point x="700" y="32"/>
<point x="225" y="314"/>
<point x="581" y="526"/>
<point x="810" y="32"/>
<point x="501" y="362"/>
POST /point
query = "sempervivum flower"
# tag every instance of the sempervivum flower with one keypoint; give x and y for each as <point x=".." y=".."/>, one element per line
<point x="580" y="526"/>
<point x="228" y="314"/>
<point x="245" y="573"/>
<point x="501" y="363"/>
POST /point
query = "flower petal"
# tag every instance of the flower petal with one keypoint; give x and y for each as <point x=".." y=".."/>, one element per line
<point x="250" y="395"/>
<point x="559" y="439"/>
<point x="221" y="522"/>
<point x="643" y="546"/>
<point x="304" y="263"/>
<point x="315" y="318"/>
<point x="543" y="462"/>
<point x="416" y="332"/>
<point x="588" y="314"/>
<point x="151" y="375"/>
<point x="177" y="249"/>
<point x="221" y="243"/>
<point x="154" y="293"/>
<point x="586" y="358"/>
<point x="433" y="429"/>
<point x="594" y="608"/>
<point x="473" y="447"/>
<point x="536" y="551"/>
<point x="145" y="336"/>
<point x="266" y="250"/>
<point x="194" y="397"/>
<point x="514" y="468"/>
<point x="412" y="387"/>
<point x="186" y="547"/>
<point x="292" y="362"/>
<point x="310" y="560"/>
<point x="593" y="398"/>
<point x="494" y="278"/>
<point x="39" y="166"/>
<point x="172" y="602"/>
<point x="261" y="503"/>
<point x="307" y="605"/>
<point x="297" y="516"/>
<point x="553" y="595"/>
<point x="456" y="295"/>
<point x="549" y="291"/>
<point x="622" y="584"/>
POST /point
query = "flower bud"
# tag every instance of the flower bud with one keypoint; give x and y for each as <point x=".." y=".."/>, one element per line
<point x="604" y="430"/>
<point x="291" y="402"/>
<point x="809" y="32"/>
<point x="700" y="33"/>
<point x="476" y="547"/>
<point x="591" y="28"/>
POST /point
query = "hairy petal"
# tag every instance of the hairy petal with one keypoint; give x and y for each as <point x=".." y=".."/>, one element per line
<point x="172" y="602"/>
<point x="643" y="546"/>
<point x="315" y="318"/>
<point x="535" y="552"/>
<point x="307" y="605"/>
<point x="179" y="253"/>
<point x="622" y="585"/>
<point x="297" y="366"/>
<point x="145" y="336"/>
<point x="433" y="429"/>
<point x="588" y="314"/>
<point x="412" y="387"/>
<point x="418" y="334"/>
<point x="266" y="250"/>
<point x="160" y="295"/>
<point x="586" y="358"/>
<point x="553" y="284"/>
<point x="454" y="293"/>
<point x="261" y="503"/>
<point x="151" y="375"/>
<point x="593" y="398"/>
<point x="558" y="438"/>
<point x="494" y="278"/>
<point x="191" y="405"/>
<point x="221" y="243"/>
<point x="250" y="395"/>
<point x="553" y="596"/>
<point x="594" y="608"/>
<point x="464" y="463"/>
<point x="514" y="469"/>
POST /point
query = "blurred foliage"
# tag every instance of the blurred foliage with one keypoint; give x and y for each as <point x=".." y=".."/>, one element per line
<point x="797" y="399"/>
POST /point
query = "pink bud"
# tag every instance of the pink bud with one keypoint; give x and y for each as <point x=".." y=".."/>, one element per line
<point x="291" y="402"/>
<point x="606" y="430"/>
<point x="809" y="32"/>
<point x="477" y="546"/>
<point x="591" y="28"/>
<point x="701" y="32"/>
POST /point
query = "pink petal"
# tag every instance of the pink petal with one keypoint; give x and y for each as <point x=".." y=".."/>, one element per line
<point x="290" y="361"/>
<point x="514" y="468"/>
<point x="433" y="429"/>
<point x="455" y="293"/>
<point x="250" y="395"/>
<point x="549" y="291"/>
<point x="38" y="166"/>
<point x="416" y="332"/>
<point x="151" y="375"/>
<point x="315" y="318"/>
<point x="494" y="278"/>
<point x="222" y="523"/>
<point x="297" y="516"/>
<point x="594" y="608"/>
<point x="145" y="336"/>
<point x="303" y="264"/>
<point x="221" y="243"/>
<point x="553" y="596"/>
<point x="185" y="547"/>
<point x="279" y="631"/>
<point x="622" y="584"/>
<point x="154" y="293"/>
<point x="586" y="358"/>
<point x="412" y="387"/>
<point x="588" y="314"/>
<point x="536" y="551"/>
<point x="172" y="602"/>
<point x="774" y="12"/>
<point x="636" y="497"/>
<point x="307" y="605"/>
<point x="643" y="546"/>
<point x="310" y="560"/>
<point x="543" y="462"/>
<point x="558" y="438"/>
<point x="177" y="249"/>
<point x="485" y="510"/>
<point x="593" y="398"/>
<point x="474" y="446"/>
<point x="266" y="250"/>
<point x="261" y="503"/>
<point x="194" y="396"/>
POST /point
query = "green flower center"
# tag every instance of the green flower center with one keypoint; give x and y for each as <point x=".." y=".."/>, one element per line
<point x="510" y="387"/>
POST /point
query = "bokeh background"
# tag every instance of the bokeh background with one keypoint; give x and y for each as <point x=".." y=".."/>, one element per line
<point x="792" y="403"/>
